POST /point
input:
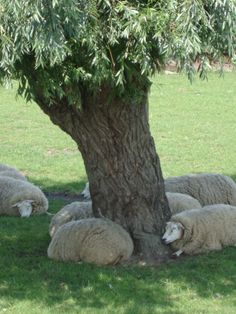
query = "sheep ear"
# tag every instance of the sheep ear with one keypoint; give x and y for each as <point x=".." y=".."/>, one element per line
<point x="19" y="203"/>
<point x="180" y="226"/>
<point x="29" y="201"/>
<point x="16" y="204"/>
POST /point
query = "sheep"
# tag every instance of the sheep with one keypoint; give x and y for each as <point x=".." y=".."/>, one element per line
<point x="207" y="188"/>
<point x="21" y="198"/>
<point x="81" y="210"/>
<point x="179" y="202"/>
<point x="4" y="167"/>
<point x="73" y="211"/>
<point x="201" y="230"/>
<point x="13" y="174"/>
<point x="92" y="240"/>
<point x="86" y="192"/>
<point x="8" y="171"/>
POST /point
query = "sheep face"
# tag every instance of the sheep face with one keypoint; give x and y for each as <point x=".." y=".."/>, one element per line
<point x="25" y="207"/>
<point x="174" y="231"/>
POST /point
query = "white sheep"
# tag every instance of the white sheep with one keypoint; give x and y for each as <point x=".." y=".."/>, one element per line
<point x="179" y="202"/>
<point x="22" y="198"/>
<point x="13" y="174"/>
<point x="93" y="240"/>
<point x="83" y="209"/>
<point x="73" y="211"/>
<point x="8" y="171"/>
<point x="207" y="188"/>
<point x="201" y="230"/>
<point x="4" y="167"/>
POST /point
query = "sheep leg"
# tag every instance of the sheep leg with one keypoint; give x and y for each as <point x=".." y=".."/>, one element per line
<point x="193" y="247"/>
<point x="177" y="253"/>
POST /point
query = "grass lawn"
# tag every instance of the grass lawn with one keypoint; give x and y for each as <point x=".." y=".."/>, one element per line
<point x="194" y="127"/>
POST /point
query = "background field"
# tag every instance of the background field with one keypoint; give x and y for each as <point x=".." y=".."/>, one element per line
<point x="194" y="127"/>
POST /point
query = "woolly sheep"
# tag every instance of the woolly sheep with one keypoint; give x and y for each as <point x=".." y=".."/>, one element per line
<point x="73" y="211"/>
<point x="13" y="174"/>
<point x="179" y="202"/>
<point x="201" y="230"/>
<point x="92" y="240"/>
<point x="207" y="188"/>
<point x="4" y="167"/>
<point x="21" y="198"/>
<point x="8" y="171"/>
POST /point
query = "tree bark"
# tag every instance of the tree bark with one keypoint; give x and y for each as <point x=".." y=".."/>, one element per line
<point x="122" y="165"/>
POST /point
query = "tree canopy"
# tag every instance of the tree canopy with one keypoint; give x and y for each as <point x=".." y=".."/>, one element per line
<point x="67" y="46"/>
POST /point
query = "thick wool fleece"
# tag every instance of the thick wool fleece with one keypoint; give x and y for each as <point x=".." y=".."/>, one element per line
<point x="207" y="188"/>
<point x="13" y="191"/>
<point x="93" y="240"/>
<point x="70" y="212"/>
<point x="15" y="174"/>
<point x="179" y="202"/>
<point x="205" y="229"/>
<point x="8" y="171"/>
<point x="4" y="167"/>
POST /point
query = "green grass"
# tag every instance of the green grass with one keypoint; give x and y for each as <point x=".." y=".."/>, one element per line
<point x="34" y="145"/>
<point x="194" y="127"/>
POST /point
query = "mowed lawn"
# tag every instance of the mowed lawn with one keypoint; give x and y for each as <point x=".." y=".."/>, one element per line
<point x="194" y="127"/>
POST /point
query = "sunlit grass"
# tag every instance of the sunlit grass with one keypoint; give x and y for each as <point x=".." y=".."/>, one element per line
<point x="194" y="125"/>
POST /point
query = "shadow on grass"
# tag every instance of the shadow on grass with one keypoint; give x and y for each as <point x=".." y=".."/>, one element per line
<point x="72" y="187"/>
<point x="28" y="275"/>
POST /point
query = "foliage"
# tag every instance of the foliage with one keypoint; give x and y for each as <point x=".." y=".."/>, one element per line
<point x="66" y="47"/>
<point x="203" y="31"/>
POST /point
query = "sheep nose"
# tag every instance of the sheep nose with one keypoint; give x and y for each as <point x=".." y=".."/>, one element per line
<point x="163" y="240"/>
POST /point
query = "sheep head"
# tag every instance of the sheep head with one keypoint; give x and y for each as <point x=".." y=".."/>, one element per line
<point x="25" y="207"/>
<point x="174" y="231"/>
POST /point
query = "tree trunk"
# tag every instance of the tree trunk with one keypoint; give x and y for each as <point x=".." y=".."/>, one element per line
<point x="123" y="169"/>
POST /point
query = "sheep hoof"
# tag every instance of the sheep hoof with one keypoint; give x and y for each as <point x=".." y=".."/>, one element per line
<point x="177" y="254"/>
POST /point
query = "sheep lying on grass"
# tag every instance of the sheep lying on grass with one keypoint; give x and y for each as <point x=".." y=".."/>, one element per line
<point x="73" y="211"/>
<point x="21" y="198"/>
<point x="179" y="202"/>
<point x="207" y="188"/>
<point x="81" y="210"/>
<point x="201" y="230"/>
<point x="13" y="174"/>
<point x="93" y="240"/>
<point x="8" y="171"/>
<point x="4" y="167"/>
